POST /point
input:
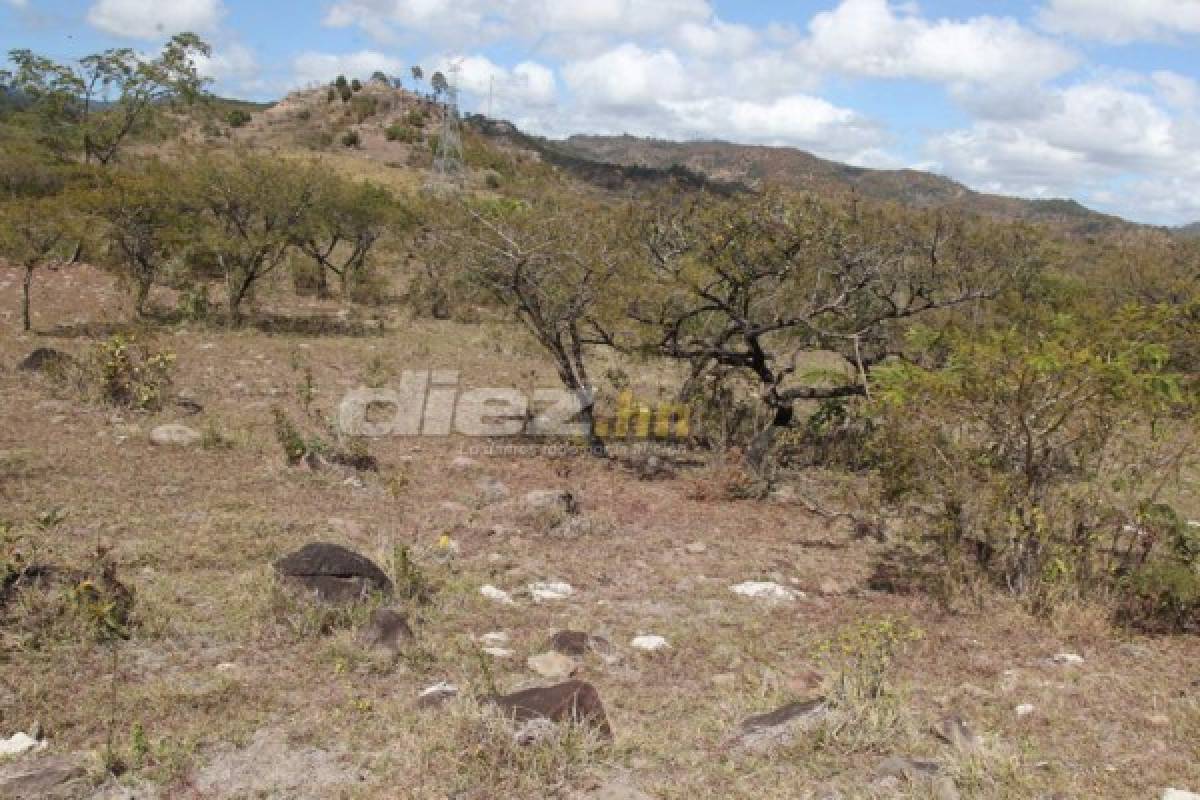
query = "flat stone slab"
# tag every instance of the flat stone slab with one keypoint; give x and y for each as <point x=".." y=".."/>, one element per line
<point x="572" y="702"/>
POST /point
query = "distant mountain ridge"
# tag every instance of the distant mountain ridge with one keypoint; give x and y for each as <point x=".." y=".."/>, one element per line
<point x="1191" y="231"/>
<point x="754" y="165"/>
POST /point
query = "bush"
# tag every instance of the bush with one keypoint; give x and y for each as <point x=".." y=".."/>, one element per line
<point x="356" y="85"/>
<point x="237" y="118"/>
<point x="128" y="374"/>
<point x="400" y="133"/>
<point x="350" y="139"/>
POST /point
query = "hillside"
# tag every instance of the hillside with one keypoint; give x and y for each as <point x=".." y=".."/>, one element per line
<point x="756" y="165"/>
<point x="1191" y="231"/>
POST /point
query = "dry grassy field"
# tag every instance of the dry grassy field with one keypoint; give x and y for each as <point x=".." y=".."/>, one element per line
<point x="230" y="685"/>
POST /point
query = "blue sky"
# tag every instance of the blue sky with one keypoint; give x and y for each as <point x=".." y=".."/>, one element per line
<point x="1093" y="99"/>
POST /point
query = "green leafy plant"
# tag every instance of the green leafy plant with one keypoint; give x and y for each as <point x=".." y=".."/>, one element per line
<point x="129" y="374"/>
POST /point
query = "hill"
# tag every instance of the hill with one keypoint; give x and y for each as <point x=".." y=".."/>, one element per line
<point x="1191" y="231"/>
<point x="754" y="165"/>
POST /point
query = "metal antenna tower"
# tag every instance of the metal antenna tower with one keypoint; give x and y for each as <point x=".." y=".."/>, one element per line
<point x="448" y="165"/>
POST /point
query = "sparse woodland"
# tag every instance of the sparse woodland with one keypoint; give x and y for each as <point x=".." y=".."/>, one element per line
<point x="998" y="418"/>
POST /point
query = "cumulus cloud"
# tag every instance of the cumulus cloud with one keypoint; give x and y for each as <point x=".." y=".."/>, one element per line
<point x="1090" y="135"/>
<point x="628" y="76"/>
<point x="526" y="86"/>
<point x="153" y="19"/>
<point x="871" y="38"/>
<point x="1123" y="21"/>
<point x="317" y="68"/>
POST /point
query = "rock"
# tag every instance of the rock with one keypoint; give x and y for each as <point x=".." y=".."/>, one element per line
<point x="1070" y="659"/>
<point x="578" y="643"/>
<point x="766" y="590"/>
<point x="907" y="768"/>
<point x="535" y="731"/>
<point x="559" y="500"/>
<point x="1179" y="794"/>
<point x="575" y="527"/>
<point x="498" y="652"/>
<point x="175" y="435"/>
<point x="696" y="548"/>
<point x="555" y="666"/>
<point x="778" y="727"/>
<point x="494" y="639"/>
<point x="436" y="695"/>
<point x="572" y="702"/>
<point x="19" y="743"/>
<point x="188" y="405"/>
<point x="499" y="595"/>
<point x="387" y="629"/>
<point x="1024" y="710"/>
<point x="47" y="778"/>
<point x="954" y="731"/>
<point x="649" y="643"/>
<point x="550" y="590"/>
<point x="491" y="491"/>
<point x="463" y="464"/>
<point x="334" y="573"/>
<point x="46" y="359"/>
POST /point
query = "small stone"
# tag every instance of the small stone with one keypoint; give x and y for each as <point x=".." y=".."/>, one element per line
<point x="766" y="590"/>
<point x="1070" y="659"/>
<point x="553" y="665"/>
<point x="54" y="777"/>
<point x="499" y="595"/>
<point x="649" y="643"/>
<point x="551" y="500"/>
<point x="494" y="639"/>
<point x="491" y="491"/>
<point x="387" y="629"/>
<point x="436" y="695"/>
<point x="575" y="527"/>
<point x="1179" y="794"/>
<point x="463" y="464"/>
<point x="20" y="742"/>
<point x="907" y="768"/>
<point x="578" y="643"/>
<point x="766" y="731"/>
<point x="1024" y="710"/>
<point x="550" y="590"/>
<point x="954" y="731"/>
<point x="498" y="652"/>
<point x="615" y="791"/>
<point x="175" y="435"/>
<point x="696" y="548"/>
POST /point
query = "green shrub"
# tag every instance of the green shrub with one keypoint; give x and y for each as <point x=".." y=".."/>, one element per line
<point x="128" y="374"/>
<point x="350" y="139"/>
<point x="400" y="133"/>
<point x="237" y="118"/>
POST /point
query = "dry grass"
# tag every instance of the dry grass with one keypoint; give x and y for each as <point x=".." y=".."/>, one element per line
<point x="221" y="653"/>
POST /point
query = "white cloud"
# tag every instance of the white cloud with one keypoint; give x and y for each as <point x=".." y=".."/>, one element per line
<point x="528" y="85"/>
<point x="1090" y="136"/>
<point x="320" y="68"/>
<point x="17" y="3"/>
<point x="628" y="76"/>
<point x="871" y="38"/>
<point x="1177" y="90"/>
<point x="153" y="19"/>
<point x="716" y="39"/>
<point x="235" y="69"/>
<point x="1121" y="21"/>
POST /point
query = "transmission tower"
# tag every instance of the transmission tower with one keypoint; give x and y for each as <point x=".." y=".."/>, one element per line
<point x="448" y="166"/>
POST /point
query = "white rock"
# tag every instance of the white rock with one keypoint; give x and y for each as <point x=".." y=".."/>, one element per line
<point x="494" y="639"/>
<point x="1194" y="523"/>
<point x="765" y="590"/>
<point x="499" y="595"/>
<point x="20" y="743"/>
<point x="439" y="689"/>
<point x="174" y="435"/>
<point x="1024" y="710"/>
<point x="554" y="666"/>
<point x="696" y="548"/>
<point x="548" y="500"/>
<point x="1068" y="658"/>
<point x="1179" y="794"/>
<point x="551" y="590"/>
<point x="498" y="652"/>
<point x="649" y="642"/>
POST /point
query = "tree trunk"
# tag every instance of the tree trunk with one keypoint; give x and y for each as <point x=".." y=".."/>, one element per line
<point x="26" y="285"/>
<point x="322" y="281"/>
<point x="139" y="301"/>
<point x="760" y="445"/>
<point x="587" y="416"/>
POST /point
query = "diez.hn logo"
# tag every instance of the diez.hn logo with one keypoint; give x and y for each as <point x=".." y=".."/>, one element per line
<point x="431" y="403"/>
